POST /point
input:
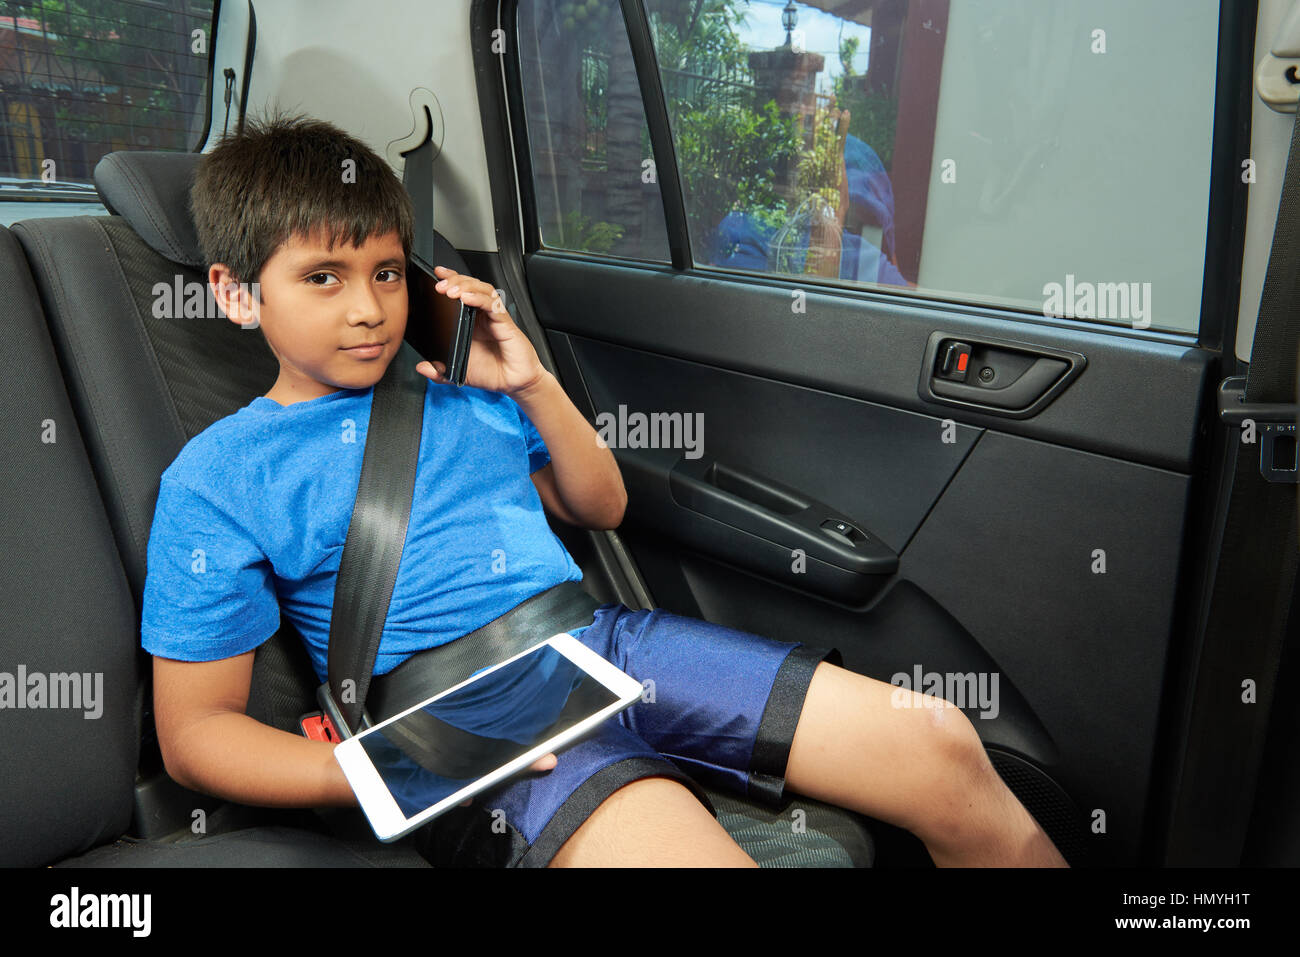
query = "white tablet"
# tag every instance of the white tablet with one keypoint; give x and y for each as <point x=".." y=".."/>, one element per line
<point x="415" y="765"/>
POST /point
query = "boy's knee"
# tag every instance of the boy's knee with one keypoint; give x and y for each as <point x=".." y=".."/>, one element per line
<point x="960" y="765"/>
<point x="942" y="731"/>
<point x="955" y="741"/>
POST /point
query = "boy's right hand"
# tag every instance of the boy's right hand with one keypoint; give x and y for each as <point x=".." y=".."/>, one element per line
<point x="545" y="763"/>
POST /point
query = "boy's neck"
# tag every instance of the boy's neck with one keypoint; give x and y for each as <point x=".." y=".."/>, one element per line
<point x="285" y="395"/>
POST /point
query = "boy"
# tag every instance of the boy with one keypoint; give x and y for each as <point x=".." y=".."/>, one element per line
<point x="252" y="515"/>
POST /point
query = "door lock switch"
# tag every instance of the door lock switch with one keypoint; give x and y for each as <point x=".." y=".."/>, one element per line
<point x="954" y="361"/>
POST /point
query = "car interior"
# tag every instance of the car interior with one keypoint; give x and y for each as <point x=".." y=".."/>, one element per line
<point x="956" y="313"/>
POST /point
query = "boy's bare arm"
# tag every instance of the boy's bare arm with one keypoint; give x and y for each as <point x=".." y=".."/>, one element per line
<point x="582" y="484"/>
<point x="209" y="745"/>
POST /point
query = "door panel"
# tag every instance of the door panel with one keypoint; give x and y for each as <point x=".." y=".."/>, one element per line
<point x="1000" y="575"/>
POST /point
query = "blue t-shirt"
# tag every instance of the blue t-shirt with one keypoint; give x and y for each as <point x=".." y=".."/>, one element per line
<point x="253" y="513"/>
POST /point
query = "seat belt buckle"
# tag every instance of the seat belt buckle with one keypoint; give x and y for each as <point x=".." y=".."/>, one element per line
<point x="1270" y="425"/>
<point x="331" y="714"/>
<point x="317" y="727"/>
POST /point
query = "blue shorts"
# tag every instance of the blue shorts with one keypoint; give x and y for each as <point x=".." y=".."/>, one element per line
<point x="720" y="707"/>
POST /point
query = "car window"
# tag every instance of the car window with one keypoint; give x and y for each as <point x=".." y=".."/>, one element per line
<point x="1048" y="156"/>
<point x="594" y="180"/>
<point x="82" y="78"/>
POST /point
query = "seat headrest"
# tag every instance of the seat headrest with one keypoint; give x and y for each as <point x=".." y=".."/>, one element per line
<point x="150" y="189"/>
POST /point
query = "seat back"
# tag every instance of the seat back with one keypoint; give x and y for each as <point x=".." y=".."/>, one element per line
<point x="70" y="690"/>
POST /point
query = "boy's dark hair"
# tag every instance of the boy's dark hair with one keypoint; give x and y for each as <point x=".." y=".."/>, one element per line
<point x="285" y="176"/>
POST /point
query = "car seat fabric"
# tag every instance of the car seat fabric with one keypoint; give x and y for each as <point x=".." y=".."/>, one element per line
<point x="67" y="776"/>
<point x="251" y="847"/>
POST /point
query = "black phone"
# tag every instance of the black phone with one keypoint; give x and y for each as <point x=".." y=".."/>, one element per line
<point x="450" y="322"/>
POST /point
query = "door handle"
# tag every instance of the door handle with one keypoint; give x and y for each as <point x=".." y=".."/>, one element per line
<point x="995" y="376"/>
<point x="1026" y="389"/>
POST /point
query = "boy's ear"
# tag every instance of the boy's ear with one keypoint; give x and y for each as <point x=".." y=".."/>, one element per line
<point x="241" y="302"/>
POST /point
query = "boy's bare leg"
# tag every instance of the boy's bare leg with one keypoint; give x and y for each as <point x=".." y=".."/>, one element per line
<point x="920" y="768"/>
<point x="651" y="822"/>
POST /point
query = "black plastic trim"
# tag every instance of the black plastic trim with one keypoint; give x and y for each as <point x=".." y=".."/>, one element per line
<point x="1235" y="410"/>
<point x="1212" y="474"/>
<point x="661" y="137"/>
<point x="212" y="74"/>
<point x="498" y="84"/>
<point x="515" y="135"/>
<point x="249" y="49"/>
<point x="1225" y="240"/>
<point x="760" y="506"/>
<point x="848" y="574"/>
<point x="856" y="346"/>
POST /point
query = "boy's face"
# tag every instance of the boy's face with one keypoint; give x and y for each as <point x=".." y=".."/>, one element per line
<point x="318" y="304"/>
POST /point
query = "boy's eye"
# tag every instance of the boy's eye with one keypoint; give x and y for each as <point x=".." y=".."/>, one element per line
<point x="314" y="276"/>
<point x="391" y="272"/>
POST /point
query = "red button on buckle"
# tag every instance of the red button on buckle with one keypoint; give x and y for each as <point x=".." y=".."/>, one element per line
<point x="317" y="727"/>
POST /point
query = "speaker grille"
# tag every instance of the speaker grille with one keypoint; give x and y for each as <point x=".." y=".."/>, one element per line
<point x="1047" y="802"/>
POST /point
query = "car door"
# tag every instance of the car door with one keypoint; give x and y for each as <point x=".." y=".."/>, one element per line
<point x="903" y="319"/>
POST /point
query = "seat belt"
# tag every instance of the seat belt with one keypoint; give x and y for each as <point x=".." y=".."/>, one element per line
<point x="560" y="608"/>
<point x="417" y="177"/>
<point x="1247" y="619"/>
<point x="376" y="535"/>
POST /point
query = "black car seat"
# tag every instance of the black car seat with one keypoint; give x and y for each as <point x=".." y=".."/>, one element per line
<point x="70" y="772"/>
<point x="141" y="385"/>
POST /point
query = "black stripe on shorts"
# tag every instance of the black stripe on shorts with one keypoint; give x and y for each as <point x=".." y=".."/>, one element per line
<point x="780" y="718"/>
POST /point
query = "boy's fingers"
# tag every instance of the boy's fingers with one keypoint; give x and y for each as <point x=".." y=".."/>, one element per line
<point x="457" y="286"/>
<point x="475" y="292"/>
<point x="545" y="763"/>
<point x="431" y="370"/>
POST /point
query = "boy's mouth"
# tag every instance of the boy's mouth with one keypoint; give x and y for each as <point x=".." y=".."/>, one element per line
<point x="366" y="350"/>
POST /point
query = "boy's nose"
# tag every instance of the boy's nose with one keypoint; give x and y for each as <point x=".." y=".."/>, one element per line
<point x="364" y="306"/>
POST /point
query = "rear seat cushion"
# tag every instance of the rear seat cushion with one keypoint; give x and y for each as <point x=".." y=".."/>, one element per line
<point x="252" y="847"/>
